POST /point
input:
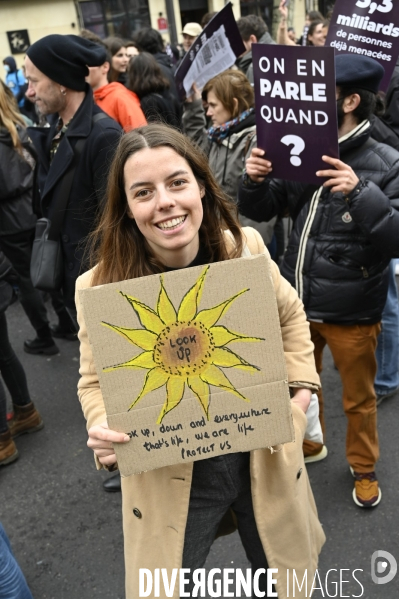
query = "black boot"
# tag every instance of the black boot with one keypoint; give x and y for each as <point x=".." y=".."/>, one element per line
<point x="65" y="328"/>
<point x="113" y="484"/>
<point x="42" y="344"/>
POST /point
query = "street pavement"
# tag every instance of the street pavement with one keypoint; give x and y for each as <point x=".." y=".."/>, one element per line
<point x="66" y="531"/>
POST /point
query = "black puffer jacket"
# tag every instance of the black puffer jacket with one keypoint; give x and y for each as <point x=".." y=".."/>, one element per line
<point x="339" y="249"/>
<point x="16" y="184"/>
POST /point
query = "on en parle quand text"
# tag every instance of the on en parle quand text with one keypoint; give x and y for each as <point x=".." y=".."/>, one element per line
<point x="209" y="440"/>
<point x="230" y="582"/>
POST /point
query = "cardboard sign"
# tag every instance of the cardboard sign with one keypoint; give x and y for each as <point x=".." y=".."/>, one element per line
<point x="296" y="111"/>
<point x="368" y="28"/>
<point x="191" y="363"/>
<point x="214" y="51"/>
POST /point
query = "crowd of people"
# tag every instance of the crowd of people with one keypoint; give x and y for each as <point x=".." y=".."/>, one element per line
<point x="99" y="155"/>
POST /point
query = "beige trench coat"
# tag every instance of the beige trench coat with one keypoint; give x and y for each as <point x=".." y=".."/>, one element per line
<point x="284" y="507"/>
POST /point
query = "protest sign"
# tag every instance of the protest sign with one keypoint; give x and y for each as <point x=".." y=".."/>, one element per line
<point x="191" y="363"/>
<point x="296" y="112"/>
<point x="214" y="51"/>
<point x="367" y="28"/>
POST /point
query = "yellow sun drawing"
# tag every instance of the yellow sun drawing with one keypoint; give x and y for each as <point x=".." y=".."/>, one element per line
<point x="181" y="348"/>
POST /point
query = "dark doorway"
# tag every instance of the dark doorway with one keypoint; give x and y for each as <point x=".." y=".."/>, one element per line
<point x="192" y="11"/>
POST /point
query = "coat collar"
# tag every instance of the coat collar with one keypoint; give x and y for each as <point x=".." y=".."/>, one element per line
<point x="80" y="127"/>
<point x="355" y="138"/>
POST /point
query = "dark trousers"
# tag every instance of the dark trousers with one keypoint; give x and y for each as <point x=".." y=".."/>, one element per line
<point x="13" y="375"/>
<point x="218" y="484"/>
<point x="18" y="249"/>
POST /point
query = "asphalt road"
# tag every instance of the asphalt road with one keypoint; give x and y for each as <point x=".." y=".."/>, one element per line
<point x="66" y="531"/>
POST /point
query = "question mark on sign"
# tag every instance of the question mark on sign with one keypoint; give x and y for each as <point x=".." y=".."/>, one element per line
<point x="298" y="147"/>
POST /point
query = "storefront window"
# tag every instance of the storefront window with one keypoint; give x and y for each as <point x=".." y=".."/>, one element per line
<point x="114" y="17"/>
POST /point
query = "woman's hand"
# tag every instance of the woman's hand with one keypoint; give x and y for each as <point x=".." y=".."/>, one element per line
<point x="257" y="166"/>
<point x="100" y="441"/>
<point x="283" y="9"/>
<point x="194" y="95"/>
<point x="342" y="179"/>
<point x="302" y="398"/>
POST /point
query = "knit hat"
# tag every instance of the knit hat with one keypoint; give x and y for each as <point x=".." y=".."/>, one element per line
<point x="358" y="71"/>
<point x="65" y="58"/>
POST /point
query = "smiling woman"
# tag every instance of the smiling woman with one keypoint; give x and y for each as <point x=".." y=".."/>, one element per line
<point x="165" y="211"/>
<point x="166" y="206"/>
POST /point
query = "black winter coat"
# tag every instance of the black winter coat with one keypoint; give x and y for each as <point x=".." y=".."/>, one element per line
<point x="162" y="107"/>
<point x="16" y="184"/>
<point x="168" y="70"/>
<point x="88" y="185"/>
<point x="340" y="247"/>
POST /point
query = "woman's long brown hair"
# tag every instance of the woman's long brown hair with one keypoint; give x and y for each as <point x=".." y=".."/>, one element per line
<point x="119" y="249"/>
<point x="10" y="116"/>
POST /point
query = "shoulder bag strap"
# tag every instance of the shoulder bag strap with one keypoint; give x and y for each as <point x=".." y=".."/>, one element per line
<point x="99" y="116"/>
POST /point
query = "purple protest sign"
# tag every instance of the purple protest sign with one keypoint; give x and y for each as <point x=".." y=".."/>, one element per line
<point x="214" y="51"/>
<point x="296" y="110"/>
<point x="367" y="28"/>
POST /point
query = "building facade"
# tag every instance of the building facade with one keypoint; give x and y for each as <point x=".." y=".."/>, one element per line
<point x="25" y="21"/>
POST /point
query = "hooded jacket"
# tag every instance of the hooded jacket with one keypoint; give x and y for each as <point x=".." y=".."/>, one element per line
<point x="88" y="185"/>
<point x="120" y="104"/>
<point x="15" y="80"/>
<point x="16" y="184"/>
<point x="340" y="247"/>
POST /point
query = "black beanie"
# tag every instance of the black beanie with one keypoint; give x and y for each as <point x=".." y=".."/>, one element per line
<point x="65" y="58"/>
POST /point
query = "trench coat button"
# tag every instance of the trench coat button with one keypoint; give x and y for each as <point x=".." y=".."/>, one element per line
<point x="65" y="238"/>
<point x="299" y="473"/>
<point x="70" y="265"/>
<point x="137" y="513"/>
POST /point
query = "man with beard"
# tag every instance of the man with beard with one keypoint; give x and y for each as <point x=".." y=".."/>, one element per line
<point x="56" y="68"/>
<point x="344" y="235"/>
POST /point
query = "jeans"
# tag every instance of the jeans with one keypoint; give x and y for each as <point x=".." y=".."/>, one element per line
<point x="353" y="350"/>
<point x="387" y="353"/>
<point x="218" y="484"/>
<point x="18" y="249"/>
<point x="13" y="375"/>
<point x="12" y="581"/>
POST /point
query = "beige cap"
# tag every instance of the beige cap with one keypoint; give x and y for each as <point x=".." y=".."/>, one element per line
<point x="193" y="29"/>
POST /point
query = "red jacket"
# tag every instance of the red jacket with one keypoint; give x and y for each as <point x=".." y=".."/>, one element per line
<point x="121" y="104"/>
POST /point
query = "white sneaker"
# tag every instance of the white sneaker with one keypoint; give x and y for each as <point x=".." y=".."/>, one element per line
<point x="323" y="453"/>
